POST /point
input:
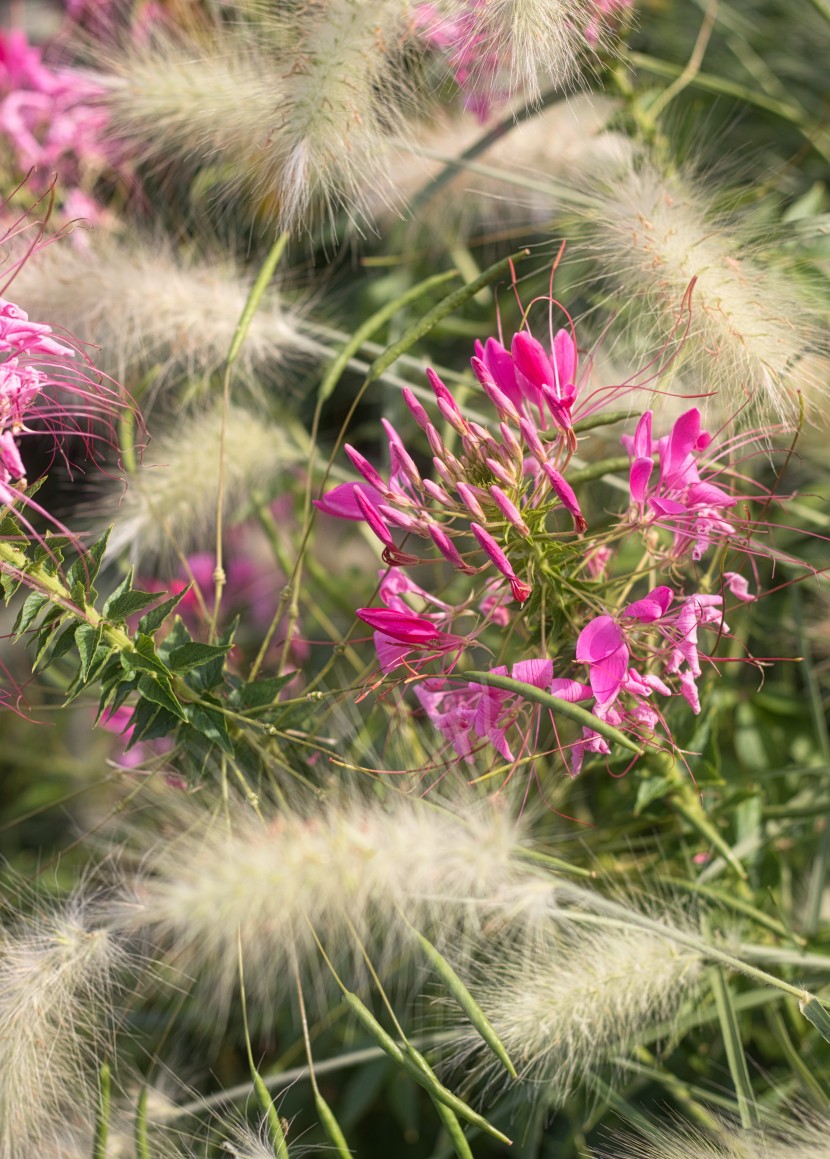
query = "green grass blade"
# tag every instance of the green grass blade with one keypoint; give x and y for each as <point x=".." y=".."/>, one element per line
<point x="372" y="325"/>
<point x="554" y="703"/>
<point x="466" y="1001"/>
<point x="736" y="1058"/>
<point x="102" y="1120"/>
<point x="446" y="306"/>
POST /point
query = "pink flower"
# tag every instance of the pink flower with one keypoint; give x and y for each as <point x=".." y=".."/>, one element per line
<point x="601" y="645"/>
<point x="679" y="498"/>
<point x="341" y="501"/>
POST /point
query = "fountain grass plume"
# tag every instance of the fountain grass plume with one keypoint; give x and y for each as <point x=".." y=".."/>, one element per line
<point x="169" y="507"/>
<point x="270" y="884"/>
<point x="672" y="256"/>
<point x="152" y="311"/>
<point x="289" y="108"/>
<point x="536" y="42"/>
<point x="784" y="1138"/>
<point x="57" y="974"/>
<point x="505" y="183"/>
<point x="568" y="998"/>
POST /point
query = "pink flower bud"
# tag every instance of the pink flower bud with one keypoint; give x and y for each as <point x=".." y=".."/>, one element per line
<point x="417" y="411"/>
<point x="520" y="589"/>
<point x="468" y="498"/>
<point x="566" y="496"/>
<point x="448" y="549"/>
<point x="437" y="493"/>
<point x="372" y="516"/>
<point x="436" y="443"/>
<point x="365" y="468"/>
<point x="452" y="416"/>
<point x="509" y="510"/>
<point x="497" y="396"/>
<point x="498" y="470"/>
<point x="532" y="440"/>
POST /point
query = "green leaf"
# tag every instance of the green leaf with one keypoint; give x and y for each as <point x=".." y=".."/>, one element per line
<point x="211" y="724"/>
<point x="193" y="655"/>
<point x="143" y="658"/>
<point x="143" y="716"/>
<point x="86" y="567"/>
<point x="159" y="690"/>
<point x="122" y="589"/>
<point x="814" y="1012"/>
<point x="113" y="695"/>
<point x="46" y="634"/>
<point x="260" y="694"/>
<point x="153" y="620"/>
<point x="128" y="604"/>
<point x="60" y="645"/>
<point x="33" y="605"/>
<point x="212" y="674"/>
<point x="87" y="640"/>
<point x="9" y="584"/>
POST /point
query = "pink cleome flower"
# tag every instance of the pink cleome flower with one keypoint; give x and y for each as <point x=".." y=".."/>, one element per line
<point x="497" y="488"/>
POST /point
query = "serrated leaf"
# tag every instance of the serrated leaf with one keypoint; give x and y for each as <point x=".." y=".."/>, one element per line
<point x="113" y="695"/>
<point x="144" y="714"/>
<point x="128" y="604"/>
<point x="159" y="690"/>
<point x="198" y="749"/>
<point x="162" y="724"/>
<point x="8" y="583"/>
<point x="86" y="567"/>
<point x="211" y="724"/>
<point x="177" y="635"/>
<point x="47" y="636"/>
<point x="143" y="660"/>
<point x="33" y="605"/>
<point x="193" y="655"/>
<point x="77" y="593"/>
<point x="260" y="694"/>
<point x="124" y="587"/>
<point x="211" y="675"/>
<point x="87" y="640"/>
<point x="154" y="619"/>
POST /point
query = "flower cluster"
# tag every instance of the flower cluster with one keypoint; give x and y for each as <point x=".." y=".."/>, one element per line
<point x="495" y="504"/>
<point x="21" y="384"/>
<point x="497" y="487"/>
<point x="53" y="122"/>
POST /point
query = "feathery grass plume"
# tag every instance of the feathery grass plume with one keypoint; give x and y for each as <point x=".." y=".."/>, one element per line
<point x="548" y="145"/>
<point x="354" y="862"/>
<point x="568" y="998"/>
<point x="170" y="505"/>
<point x="288" y="107"/>
<point x="783" y="1139"/>
<point x="151" y="309"/>
<point x="519" y="43"/>
<point x="57" y="973"/>
<point x="754" y="329"/>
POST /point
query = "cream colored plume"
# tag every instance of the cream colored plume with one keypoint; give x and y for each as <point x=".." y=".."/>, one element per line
<point x="684" y="272"/>
<point x="170" y="503"/>
<point x="57" y="972"/>
<point x="150" y="311"/>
